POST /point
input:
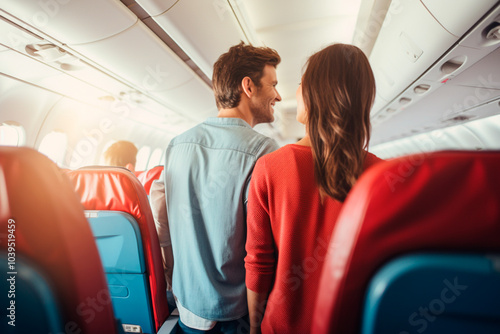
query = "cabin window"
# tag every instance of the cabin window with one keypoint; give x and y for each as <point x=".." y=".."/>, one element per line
<point x="142" y="158"/>
<point x="155" y="158"/>
<point x="54" y="146"/>
<point x="12" y="134"/>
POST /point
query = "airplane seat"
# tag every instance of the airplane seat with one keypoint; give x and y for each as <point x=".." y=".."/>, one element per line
<point x="30" y="289"/>
<point x="55" y="255"/>
<point x="436" y="204"/>
<point x="434" y="293"/>
<point x="148" y="176"/>
<point x="118" y="211"/>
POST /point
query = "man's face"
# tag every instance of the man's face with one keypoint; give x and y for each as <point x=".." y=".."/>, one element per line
<point x="262" y="102"/>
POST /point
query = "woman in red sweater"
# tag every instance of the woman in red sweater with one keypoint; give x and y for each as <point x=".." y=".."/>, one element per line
<point x="297" y="191"/>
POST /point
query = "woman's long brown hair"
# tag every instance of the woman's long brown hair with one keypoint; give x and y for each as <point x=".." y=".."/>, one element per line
<point x="338" y="88"/>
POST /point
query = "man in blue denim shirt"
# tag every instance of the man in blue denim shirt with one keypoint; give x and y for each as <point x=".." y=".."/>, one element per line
<point x="205" y="188"/>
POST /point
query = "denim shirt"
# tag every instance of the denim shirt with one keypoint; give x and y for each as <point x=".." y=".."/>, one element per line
<point x="207" y="172"/>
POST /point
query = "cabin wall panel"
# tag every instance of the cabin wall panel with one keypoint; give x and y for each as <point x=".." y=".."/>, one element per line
<point x="89" y="129"/>
<point x="25" y="104"/>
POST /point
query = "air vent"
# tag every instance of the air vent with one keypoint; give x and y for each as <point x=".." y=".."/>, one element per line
<point x="55" y="56"/>
<point x="421" y="89"/>
<point x="404" y="101"/>
<point x="460" y="118"/>
<point x="492" y="31"/>
<point x="391" y="110"/>
<point x="453" y="65"/>
<point x="47" y="52"/>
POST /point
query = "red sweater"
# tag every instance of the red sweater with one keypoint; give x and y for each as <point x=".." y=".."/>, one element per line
<point x="288" y="235"/>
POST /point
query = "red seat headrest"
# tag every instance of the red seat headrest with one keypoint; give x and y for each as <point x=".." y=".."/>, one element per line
<point x="147" y="177"/>
<point x="443" y="201"/>
<point x="117" y="189"/>
<point x="51" y="231"/>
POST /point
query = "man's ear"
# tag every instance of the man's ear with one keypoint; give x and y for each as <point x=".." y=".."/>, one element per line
<point x="247" y="86"/>
<point x="130" y="167"/>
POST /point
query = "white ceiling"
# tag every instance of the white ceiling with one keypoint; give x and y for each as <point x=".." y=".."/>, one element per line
<point x="182" y="39"/>
<point x="296" y="30"/>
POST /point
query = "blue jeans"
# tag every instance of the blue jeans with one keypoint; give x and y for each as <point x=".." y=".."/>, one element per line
<point x="238" y="326"/>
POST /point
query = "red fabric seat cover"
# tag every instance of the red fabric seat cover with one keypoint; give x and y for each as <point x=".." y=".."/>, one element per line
<point x="116" y="189"/>
<point x="147" y="177"/>
<point x="444" y="201"/>
<point x="51" y="231"/>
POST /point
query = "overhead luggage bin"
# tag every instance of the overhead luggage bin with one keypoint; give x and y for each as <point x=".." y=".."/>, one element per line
<point x="457" y="16"/>
<point x="403" y="49"/>
<point x="201" y="39"/>
<point x="68" y="21"/>
<point x="465" y="73"/>
<point x="140" y="57"/>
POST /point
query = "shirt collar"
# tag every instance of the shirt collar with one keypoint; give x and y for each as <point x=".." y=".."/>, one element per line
<point x="227" y="121"/>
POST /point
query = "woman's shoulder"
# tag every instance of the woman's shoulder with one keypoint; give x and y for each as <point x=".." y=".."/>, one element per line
<point x="371" y="159"/>
<point x="286" y="152"/>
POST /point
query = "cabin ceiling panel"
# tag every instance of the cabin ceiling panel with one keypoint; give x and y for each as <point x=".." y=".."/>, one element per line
<point x="73" y="22"/>
<point x="157" y="7"/>
<point x="203" y="29"/>
<point x="295" y="54"/>
<point x="296" y="29"/>
<point x="265" y="13"/>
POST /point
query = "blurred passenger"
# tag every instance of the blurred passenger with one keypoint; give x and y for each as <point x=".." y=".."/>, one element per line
<point x="297" y="191"/>
<point x="122" y="153"/>
<point x="206" y="177"/>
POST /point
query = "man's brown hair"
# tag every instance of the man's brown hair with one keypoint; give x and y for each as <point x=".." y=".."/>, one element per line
<point x="121" y="153"/>
<point x="240" y="61"/>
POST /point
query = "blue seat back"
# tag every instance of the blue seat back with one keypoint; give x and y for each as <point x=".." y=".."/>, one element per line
<point x="118" y="240"/>
<point x="29" y="303"/>
<point x="434" y="293"/>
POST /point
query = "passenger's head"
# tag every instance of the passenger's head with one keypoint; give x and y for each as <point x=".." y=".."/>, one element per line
<point x="338" y="89"/>
<point x="121" y="153"/>
<point x="246" y="61"/>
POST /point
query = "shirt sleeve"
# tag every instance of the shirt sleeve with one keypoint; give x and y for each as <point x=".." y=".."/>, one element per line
<point x="159" y="209"/>
<point x="260" y="262"/>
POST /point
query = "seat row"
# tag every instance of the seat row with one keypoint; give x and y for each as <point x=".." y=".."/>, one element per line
<point x="415" y="248"/>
